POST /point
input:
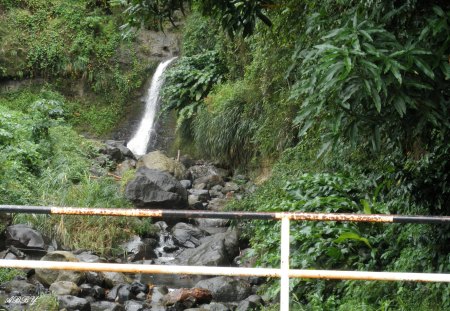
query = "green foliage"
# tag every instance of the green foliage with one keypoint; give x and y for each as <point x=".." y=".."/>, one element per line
<point x="47" y="302"/>
<point x="45" y="162"/>
<point x="364" y="79"/>
<point x="8" y="274"/>
<point x="224" y="129"/>
<point x="78" y="48"/>
<point x="188" y="83"/>
<point x="236" y="17"/>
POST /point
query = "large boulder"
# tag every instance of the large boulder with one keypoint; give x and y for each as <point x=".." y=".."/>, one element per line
<point x="64" y="288"/>
<point x="47" y="277"/>
<point x="216" y="250"/>
<point x="225" y="288"/>
<point x="187" y="235"/>
<point x="72" y="303"/>
<point x="116" y="150"/>
<point x="159" y="161"/>
<point x="156" y="189"/>
<point x="25" y="238"/>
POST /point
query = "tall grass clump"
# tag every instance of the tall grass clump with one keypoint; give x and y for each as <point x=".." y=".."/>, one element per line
<point x="224" y="129"/>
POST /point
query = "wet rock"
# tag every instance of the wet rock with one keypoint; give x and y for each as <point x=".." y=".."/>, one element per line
<point x="215" y="250"/>
<point x="72" y="303"/>
<point x="199" y="186"/>
<point x="12" y="253"/>
<point x="194" y="202"/>
<point x="47" y="277"/>
<point x="137" y="248"/>
<point x="120" y="293"/>
<point x="22" y="287"/>
<point x="212" y="225"/>
<point x="106" y="306"/>
<point x="24" y="238"/>
<point x="224" y="288"/>
<point x="95" y="278"/>
<point x="159" y="161"/>
<point x="187" y="235"/>
<point x="137" y="288"/>
<point x="253" y="302"/>
<point x="153" y="188"/>
<point x="64" y="288"/>
<point x="187" y="184"/>
<point x="133" y="305"/>
<point x="88" y="257"/>
<point x="194" y="295"/>
<point x="158" y="294"/>
<point x="202" y="195"/>
<point x="111" y="279"/>
<point x="116" y="150"/>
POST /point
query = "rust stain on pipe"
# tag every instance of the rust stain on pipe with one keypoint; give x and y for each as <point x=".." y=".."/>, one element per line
<point x="106" y="212"/>
<point x="335" y="217"/>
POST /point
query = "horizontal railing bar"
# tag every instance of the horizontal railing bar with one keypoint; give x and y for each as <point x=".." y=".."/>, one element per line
<point x="229" y="271"/>
<point x="160" y="213"/>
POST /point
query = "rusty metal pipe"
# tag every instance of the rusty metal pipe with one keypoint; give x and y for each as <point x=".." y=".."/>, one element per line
<point x="230" y="271"/>
<point x="159" y="213"/>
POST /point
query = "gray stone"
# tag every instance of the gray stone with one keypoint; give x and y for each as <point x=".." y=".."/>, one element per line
<point x="187" y="235"/>
<point x="72" y="303"/>
<point x="230" y="187"/>
<point x="119" y="293"/>
<point x="194" y="202"/>
<point x="187" y="184"/>
<point x="153" y="188"/>
<point x="158" y="294"/>
<point x="137" y="249"/>
<point x="20" y="286"/>
<point x="95" y="278"/>
<point x="25" y="238"/>
<point x="246" y="305"/>
<point x="205" y="170"/>
<point x="215" y="250"/>
<point x="215" y="306"/>
<point x="208" y="182"/>
<point x="112" y="279"/>
<point x="224" y="288"/>
<point x="116" y="150"/>
<point x="133" y="305"/>
<point x="203" y="195"/>
<point x="159" y="161"/>
<point x="64" y="288"/>
<point x="47" y="277"/>
<point x="199" y="186"/>
<point x="88" y="257"/>
<point x="106" y="306"/>
<point x="217" y="204"/>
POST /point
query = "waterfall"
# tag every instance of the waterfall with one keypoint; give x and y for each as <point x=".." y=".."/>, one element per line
<point x="139" y="142"/>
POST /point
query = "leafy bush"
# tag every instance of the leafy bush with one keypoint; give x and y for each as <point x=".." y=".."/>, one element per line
<point x="8" y="274"/>
<point x="189" y="82"/>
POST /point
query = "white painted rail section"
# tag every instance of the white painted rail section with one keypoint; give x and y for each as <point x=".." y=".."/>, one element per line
<point x="284" y="266"/>
<point x="284" y="272"/>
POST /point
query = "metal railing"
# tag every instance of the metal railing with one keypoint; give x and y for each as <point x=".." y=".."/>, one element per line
<point x="284" y="272"/>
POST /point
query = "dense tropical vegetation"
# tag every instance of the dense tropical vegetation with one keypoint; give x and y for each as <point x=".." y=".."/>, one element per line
<point x="339" y="106"/>
<point x="350" y="100"/>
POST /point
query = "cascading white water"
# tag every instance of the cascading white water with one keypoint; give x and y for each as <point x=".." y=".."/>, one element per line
<point x="139" y="142"/>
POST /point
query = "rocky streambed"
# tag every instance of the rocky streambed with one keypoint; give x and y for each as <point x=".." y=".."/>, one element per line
<point x="159" y="182"/>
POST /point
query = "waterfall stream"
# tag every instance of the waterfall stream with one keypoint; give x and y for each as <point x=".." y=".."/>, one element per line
<point x="139" y="142"/>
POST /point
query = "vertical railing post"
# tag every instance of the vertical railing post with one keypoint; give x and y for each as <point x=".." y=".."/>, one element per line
<point x="284" y="288"/>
